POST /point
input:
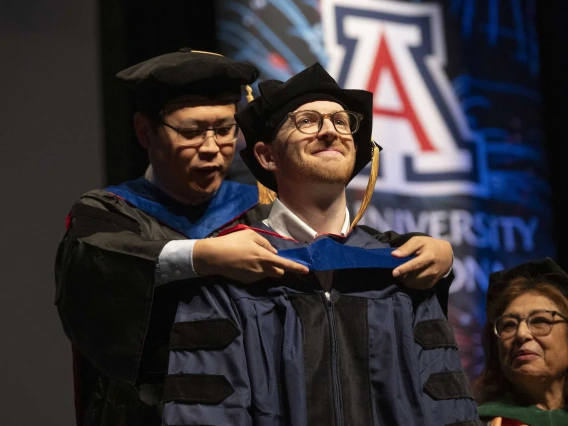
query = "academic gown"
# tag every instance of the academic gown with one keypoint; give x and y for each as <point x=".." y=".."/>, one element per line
<point x="118" y="320"/>
<point x="116" y="317"/>
<point x="283" y="351"/>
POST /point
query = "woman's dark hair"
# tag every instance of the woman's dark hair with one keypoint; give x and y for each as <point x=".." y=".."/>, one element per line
<point x="492" y="383"/>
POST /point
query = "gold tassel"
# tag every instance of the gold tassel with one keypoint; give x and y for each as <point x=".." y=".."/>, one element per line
<point x="265" y="195"/>
<point x="370" y="185"/>
<point x="250" y="97"/>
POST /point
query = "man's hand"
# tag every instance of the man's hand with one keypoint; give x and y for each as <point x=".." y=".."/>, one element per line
<point x="243" y="256"/>
<point x="433" y="260"/>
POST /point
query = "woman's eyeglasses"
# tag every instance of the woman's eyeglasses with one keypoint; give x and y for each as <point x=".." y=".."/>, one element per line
<point x="539" y="323"/>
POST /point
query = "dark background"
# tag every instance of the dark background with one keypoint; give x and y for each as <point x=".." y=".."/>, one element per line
<point x="552" y="27"/>
<point x="66" y="127"/>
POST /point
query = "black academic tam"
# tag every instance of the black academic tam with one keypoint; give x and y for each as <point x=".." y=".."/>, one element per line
<point x="195" y="75"/>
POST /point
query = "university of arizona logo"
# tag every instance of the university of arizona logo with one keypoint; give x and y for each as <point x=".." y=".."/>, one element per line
<point x="397" y="51"/>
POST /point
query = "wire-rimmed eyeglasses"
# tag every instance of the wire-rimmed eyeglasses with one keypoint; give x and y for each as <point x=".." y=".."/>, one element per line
<point x="539" y="323"/>
<point x="222" y="135"/>
<point x="310" y="122"/>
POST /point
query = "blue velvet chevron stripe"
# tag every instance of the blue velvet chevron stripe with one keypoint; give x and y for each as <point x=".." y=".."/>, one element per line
<point x="229" y="202"/>
<point x="326" y="254"/>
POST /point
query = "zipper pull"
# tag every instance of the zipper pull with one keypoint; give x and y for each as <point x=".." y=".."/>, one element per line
<point x="328" y="296"/>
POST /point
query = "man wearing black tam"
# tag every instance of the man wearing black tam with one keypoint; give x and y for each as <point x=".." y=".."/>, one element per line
<point x="350" y="343"/>
<point x="130" y="247"/>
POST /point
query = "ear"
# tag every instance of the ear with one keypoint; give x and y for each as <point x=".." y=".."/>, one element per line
<point x="143" y="128"/>
<point x="264" y="155"/>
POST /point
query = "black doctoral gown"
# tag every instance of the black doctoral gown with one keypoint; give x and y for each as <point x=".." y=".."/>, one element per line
<point x="116" y="316"/>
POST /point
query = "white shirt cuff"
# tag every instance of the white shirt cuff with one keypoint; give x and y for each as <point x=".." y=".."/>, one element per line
<point x="175" y="262"/>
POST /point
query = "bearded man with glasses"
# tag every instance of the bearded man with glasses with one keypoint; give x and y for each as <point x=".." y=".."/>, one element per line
<point x="349" y="343"/>
<point x="524" y="380"/>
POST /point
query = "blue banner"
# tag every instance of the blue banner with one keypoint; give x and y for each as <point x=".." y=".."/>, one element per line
<point x="457" y="110"/>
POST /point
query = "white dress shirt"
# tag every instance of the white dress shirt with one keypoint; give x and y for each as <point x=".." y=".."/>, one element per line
<point x="175" y="261"/>
<point x="284" y="222"/>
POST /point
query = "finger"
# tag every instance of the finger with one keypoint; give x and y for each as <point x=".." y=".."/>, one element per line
<point x="274" y="272"/>
<point x="409" y="247"/>
<point x="421" y="279"/>
<point x="288" y="265"/>
<point x="412" y="266"/>
<point x="267" y="271"/>
<point x="419" y="276"/>
<point x="263" y="242"/>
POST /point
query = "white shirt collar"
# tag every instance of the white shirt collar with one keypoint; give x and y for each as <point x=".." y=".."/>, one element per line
<point x="284" y="222"/>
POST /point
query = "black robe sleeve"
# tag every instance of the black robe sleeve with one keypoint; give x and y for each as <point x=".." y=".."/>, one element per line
<point x="106" y="296"/>
<point x="104" y="274"/>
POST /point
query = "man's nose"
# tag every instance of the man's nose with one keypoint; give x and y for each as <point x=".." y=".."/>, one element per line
<point x="209" y="144"/>
<point x="328" y="130"/>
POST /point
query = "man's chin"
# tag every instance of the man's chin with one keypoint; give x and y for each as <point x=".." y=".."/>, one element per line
<point x="203" y="190"/>
<point x="205" y="187"/>
<point x="326" y="178"/>
<point x="331" y="175"/>
<point x="204" y="181"/>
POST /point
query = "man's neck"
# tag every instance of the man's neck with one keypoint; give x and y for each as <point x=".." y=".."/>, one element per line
<point x="321" y="207"/>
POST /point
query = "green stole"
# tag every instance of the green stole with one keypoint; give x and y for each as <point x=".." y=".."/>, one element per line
<point x="531" y="415"/>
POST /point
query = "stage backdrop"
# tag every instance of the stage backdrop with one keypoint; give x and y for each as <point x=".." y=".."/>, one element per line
<point x="457" y="110"/>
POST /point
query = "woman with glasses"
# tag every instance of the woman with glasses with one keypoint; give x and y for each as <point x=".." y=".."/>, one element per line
<point x="526" y="347"/>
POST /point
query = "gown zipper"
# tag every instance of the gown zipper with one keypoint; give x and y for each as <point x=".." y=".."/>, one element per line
<point x="334" y="371"/>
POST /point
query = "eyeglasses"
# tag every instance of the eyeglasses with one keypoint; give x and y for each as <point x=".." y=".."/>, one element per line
<point x="310" y="122"/>
<point x="223" y="135"/>
<point x="539" y="323"/>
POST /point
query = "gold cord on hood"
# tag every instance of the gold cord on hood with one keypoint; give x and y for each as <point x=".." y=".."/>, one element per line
<point x="370" y="185"/>
<point x="250" y="97"/>
<point x="265" y="195"/>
